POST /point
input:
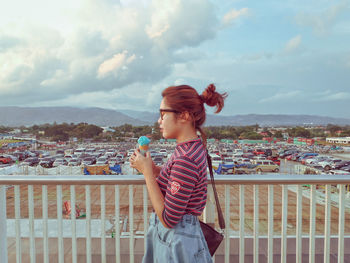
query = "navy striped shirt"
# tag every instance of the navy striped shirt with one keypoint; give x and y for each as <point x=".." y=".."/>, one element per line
<point x="183" y="182"/>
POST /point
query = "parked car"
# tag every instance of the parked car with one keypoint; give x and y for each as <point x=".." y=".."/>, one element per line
<point x="114" y="161"/>
<point x="274" y="159"/>
<point x="68" y="157"/>
<point x="120" y="158"/>
<point x="88" y="161"/>
<point x="242" y="160"/>
<point x="306" y="155"/>
<point x="59" y="161"/>
<point x="258" y="151"/>
<point x="47" y="162"/>
<point x="340" y="165"/>
<point x="13" y="158"/>
<point x="163" y="152"/>
<point x="60" y="153"/>
<point x="266" y="166"/>
<point x="102" y="161"/>
<point x="229" y="161"/>
<point x="158" y="161"/>
<point x="303" y="161"/>
<point x="216" y="161"/>
<point x="110" y="153"/>
<point x="74" y="162"/>
<point x="5" y="160"/>
<point x="346" y="168"/>
<point x="316" y="159"/>
<point x="326" y="164"/>
<point x="31" y="161"/>
<point x="20" y="155"/>
<point x="288" y="152"/>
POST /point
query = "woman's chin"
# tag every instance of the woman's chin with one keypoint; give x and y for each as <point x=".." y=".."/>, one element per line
<point x="167" y="136"/>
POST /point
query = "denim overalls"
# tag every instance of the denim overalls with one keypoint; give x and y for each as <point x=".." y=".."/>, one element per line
<point x="184" y="243"/>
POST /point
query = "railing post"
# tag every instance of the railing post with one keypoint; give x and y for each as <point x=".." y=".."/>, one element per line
<point x="3" y="227"/>
<point x="209" y="211"/>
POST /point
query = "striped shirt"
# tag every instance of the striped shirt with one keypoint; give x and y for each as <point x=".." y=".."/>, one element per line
<point x="183" y="182"/>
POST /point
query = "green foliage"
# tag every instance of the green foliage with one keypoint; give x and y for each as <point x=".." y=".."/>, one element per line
<point x="299" y="132"/>
<point x="345" y="133"/>
<point x="278" y="134"/>
<point x="333" y="129"/>
<point x="65" y="131"/>
<point x="4" y="129"/>
<point x="62" y="132"/>
<point x="251" y="135"/>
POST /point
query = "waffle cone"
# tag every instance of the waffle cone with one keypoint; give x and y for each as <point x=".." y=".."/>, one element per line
<point x="144" y="147"/>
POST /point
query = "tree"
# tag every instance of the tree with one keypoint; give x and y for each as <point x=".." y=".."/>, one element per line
<point x="333" y="129"/>
<point x="251" y="135"/>
<point x="278" y="134"/>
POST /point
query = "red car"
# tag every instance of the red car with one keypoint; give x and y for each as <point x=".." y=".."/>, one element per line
<point x="289" y="157"/>
<point x="4" y="159"/>
<point x="275" y="160"/>
<point x="258" y="151"/>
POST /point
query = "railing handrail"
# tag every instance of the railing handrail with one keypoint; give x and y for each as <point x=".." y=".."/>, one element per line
<point x="248" y="179"/>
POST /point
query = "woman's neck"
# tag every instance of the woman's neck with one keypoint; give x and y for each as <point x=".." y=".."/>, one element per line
<point x="186" y="136"/>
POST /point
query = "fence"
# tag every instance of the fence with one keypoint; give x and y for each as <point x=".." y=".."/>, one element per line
<point x="266" y="214"/>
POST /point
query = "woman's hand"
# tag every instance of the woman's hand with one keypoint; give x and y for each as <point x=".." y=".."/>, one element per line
<point x="141" y="163"/>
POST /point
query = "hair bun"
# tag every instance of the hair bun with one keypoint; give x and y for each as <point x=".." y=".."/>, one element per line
<point x="213" y="98"/>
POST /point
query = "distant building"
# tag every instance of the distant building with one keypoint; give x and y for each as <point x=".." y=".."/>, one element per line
<point x="15" y="131"/>
<point x="107" y="129"/>
<point x="5" y="136"/>
<point x="339" y="140"/>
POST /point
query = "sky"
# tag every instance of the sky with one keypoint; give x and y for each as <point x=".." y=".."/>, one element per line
<point x="271" y="57"/>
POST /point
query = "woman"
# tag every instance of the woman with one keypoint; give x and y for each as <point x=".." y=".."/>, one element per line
<point x="178" y="190"/>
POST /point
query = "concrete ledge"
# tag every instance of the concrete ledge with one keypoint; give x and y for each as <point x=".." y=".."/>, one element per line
<point x="139" y="248"/>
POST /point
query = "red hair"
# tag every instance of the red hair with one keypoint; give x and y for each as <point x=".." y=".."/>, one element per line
<point x="184" y="98"/>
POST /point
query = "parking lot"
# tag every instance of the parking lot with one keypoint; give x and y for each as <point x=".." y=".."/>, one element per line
<point x="226" y="158"/>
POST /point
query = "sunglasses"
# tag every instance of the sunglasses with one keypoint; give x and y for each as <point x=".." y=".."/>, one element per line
<point x="163" y="111"/>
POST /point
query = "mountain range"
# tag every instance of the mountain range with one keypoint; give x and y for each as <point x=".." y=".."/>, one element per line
<point x="28" y="116"/>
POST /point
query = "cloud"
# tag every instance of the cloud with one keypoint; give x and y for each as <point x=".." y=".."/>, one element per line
<point x="7" y="42"/>
<point x="97" y="46"/>
<point x="323" y="22"/>
<point x="117" y="62"/>
<point x="333" y="96"/>
<point x="233" y="15"/>
<point x="281" y="96"/>
<point x="293" y="44"/>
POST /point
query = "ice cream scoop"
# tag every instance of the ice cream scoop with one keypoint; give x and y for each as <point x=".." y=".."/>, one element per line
<point x="143" y="142"/>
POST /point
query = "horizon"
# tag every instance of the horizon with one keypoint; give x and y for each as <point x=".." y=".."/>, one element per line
<point x="156" y="112"/>
<point x="289" y="58"/>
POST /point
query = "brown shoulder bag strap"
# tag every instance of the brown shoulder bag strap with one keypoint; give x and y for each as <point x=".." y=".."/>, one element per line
<point x="220" y="216"/>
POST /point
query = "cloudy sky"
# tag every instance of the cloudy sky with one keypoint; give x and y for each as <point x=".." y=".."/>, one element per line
<point x="272" y="57"/>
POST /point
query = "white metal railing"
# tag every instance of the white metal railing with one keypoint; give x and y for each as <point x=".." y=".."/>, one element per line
<point x="133" y="180"/>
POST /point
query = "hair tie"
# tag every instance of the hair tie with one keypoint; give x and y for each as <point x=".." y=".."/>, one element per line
<point x="202" y="98"/>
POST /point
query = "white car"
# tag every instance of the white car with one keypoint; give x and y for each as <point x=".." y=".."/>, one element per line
<point x="101" y="161"/>
<point x="164" y="153"/>
<point x="59" y="162"/>
<point x="216" y="161"/>
<point x="228" y="161"/>
<point x="325" y="165"/>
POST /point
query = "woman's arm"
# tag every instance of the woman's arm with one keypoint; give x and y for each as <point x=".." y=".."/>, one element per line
<point x="150" y="171"/>
<point x="156" y="170"/>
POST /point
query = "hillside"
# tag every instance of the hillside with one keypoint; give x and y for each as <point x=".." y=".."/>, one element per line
<point x="28" y="116"/>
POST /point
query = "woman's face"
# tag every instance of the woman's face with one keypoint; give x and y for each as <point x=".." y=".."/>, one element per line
<point x="168" y="121"/>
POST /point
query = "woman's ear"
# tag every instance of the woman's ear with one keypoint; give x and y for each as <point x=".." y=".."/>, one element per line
<point x="185" y="116"/>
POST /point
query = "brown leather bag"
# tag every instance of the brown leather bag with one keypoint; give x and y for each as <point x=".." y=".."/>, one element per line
<point x="213" y="237"/>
